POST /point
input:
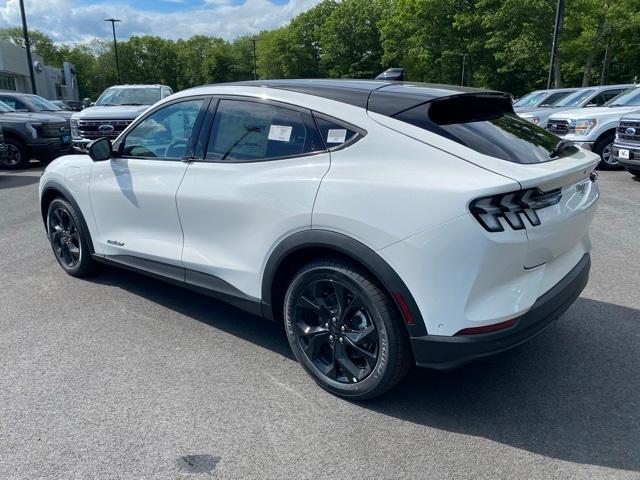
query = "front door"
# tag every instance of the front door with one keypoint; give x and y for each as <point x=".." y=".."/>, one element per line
<point x="133" y="195"/>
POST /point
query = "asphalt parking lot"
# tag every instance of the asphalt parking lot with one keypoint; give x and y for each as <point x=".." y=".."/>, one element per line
<point x="122" y="376"/>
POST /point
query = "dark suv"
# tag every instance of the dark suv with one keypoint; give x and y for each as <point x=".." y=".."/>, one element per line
<point x="32" y="135"/>
<point x="27" y="102"/>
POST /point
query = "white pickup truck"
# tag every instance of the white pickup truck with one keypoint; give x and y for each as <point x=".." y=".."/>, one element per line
<point x="114" y="110"/>
<point x="595" y="128"/>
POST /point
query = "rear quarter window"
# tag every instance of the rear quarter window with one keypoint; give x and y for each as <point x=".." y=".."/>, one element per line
<point x="486" y="126"/>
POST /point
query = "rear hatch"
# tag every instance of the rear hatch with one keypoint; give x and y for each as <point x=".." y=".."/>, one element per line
<point x="482" y="128"/>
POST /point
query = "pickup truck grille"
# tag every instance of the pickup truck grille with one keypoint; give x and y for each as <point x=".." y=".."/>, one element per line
<point x="92" y="129"/>
<point x="629" y="131"/>
<point x="559" y="127"/>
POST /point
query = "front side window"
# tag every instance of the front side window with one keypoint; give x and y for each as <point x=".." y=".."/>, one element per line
<point x="246" y="131"/>
<point x="165" y="133"/>
<point x="14" y="103"/>
<point x="553" y="98"/>
<point x="604" y="97"/>
<point x="575" y="99"/>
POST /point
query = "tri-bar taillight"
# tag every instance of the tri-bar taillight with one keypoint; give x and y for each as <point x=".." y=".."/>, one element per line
<point x="516" y="208"/>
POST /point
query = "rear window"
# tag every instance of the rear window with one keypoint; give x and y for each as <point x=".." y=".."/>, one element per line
<point x="487" y="125"/>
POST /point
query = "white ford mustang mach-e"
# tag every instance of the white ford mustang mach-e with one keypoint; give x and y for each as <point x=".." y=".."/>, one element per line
<point x="386" y="224"/>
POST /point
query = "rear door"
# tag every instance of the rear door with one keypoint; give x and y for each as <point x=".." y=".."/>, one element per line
<point x="261" y="169"/>
<point x="133" y="194"/>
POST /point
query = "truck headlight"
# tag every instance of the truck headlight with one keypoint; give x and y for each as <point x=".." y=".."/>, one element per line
<point x="532" y="119"/>
<point x="35" y="129"/>
<point x="75" y="131"/>
<point x="582" y="128"/>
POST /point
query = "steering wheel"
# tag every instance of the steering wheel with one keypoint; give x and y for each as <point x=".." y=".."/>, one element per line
<point x="173" y="144"/>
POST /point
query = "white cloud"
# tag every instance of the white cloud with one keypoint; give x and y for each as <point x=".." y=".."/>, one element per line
<point x="67" y="21"/>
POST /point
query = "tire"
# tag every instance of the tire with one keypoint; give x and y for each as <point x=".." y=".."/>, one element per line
<point x="345" y="331"/>
<point x="68" y="239"/>
<point x="634" y="171"/>
<point x="17" y="155"/>
<point x="603" y="149"/>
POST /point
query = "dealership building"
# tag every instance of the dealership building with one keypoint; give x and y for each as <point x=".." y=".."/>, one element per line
<point x="51" y="82"/>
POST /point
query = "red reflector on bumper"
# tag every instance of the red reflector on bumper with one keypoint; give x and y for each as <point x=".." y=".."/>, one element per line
<point x="404" y="309"/>
<point x="488" y="328"/>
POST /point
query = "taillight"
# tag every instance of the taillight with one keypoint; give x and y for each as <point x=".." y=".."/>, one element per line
<point x="516" y="208"/>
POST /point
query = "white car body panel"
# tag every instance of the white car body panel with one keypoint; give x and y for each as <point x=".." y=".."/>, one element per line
<point x="234" y="214"/>
<point x="133" y="202"/>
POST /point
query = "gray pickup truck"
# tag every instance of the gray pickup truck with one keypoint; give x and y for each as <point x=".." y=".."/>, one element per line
<point x="626" y="147"/>
<point x="30" y="135"/>
<point x="114" y="110"/>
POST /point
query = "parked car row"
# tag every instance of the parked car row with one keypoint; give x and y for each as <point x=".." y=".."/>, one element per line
<point x="41" y="129"/>
<point x="589" y="117"/>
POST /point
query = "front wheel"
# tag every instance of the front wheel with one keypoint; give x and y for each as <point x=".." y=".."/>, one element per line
<point x="17" y="157"/>
<point x="67" y="239"/>
<point x="604" y="148"/>
<point x="345" y="331"/>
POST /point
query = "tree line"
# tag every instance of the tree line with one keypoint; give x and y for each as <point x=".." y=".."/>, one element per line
<point x="505" y="45"/>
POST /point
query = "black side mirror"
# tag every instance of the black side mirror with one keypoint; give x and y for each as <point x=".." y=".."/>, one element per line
<point x="100" y="149"/>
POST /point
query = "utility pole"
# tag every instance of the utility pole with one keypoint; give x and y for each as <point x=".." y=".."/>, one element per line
<point x="115" y="45"/>
<point x="255" y="73"/>
<point x="554" y="45"/>
<point x="464" y="57"/>
<point x="27" y="45"/>
<point x="604" y="78"/>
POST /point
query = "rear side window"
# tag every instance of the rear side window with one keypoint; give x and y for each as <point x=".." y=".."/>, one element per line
<point x="333" y="133"/>
<point x="488" y="126"/>
<point x="249" y="131"/>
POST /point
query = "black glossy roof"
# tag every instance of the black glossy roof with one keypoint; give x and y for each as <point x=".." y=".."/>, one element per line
<point x="378" y="96"/>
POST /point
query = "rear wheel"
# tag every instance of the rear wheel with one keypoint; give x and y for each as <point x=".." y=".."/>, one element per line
<point x="604" y="148"/>
<point x="345" y="331"/>
<point x="17" y="157"/>
<point x="67" y="239"/>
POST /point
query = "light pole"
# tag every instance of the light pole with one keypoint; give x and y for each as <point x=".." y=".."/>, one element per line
<point x="27" y="45"/>
<point x="115" y="44"/>
<point x="464" y="57"/>
<point x="554" y="43"/>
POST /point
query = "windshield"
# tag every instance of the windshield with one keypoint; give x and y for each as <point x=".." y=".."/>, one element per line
<point x="530" y="100"/>
<point x="630" y="97"/>
<point x="129" y="96"/>
<point x="575" y="99"/>
<point x="4" y="108"/>
<point x="40" y="104"/>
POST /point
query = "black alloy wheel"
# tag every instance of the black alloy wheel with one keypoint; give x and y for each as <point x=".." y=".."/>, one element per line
<point x="17" y="157"/>
<point x="335" y="331"/>
<point x="66" y="237"/>
<point x="345" y="331"/>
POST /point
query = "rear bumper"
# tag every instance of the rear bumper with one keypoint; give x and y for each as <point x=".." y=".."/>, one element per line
<point x="443" y="353"/>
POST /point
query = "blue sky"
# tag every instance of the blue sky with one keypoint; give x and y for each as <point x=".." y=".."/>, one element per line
<point x="82" y="20"/>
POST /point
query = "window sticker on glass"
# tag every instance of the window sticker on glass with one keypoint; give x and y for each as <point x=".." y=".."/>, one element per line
<point x="336" y="135"/>
<point x="280" y="133"/>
